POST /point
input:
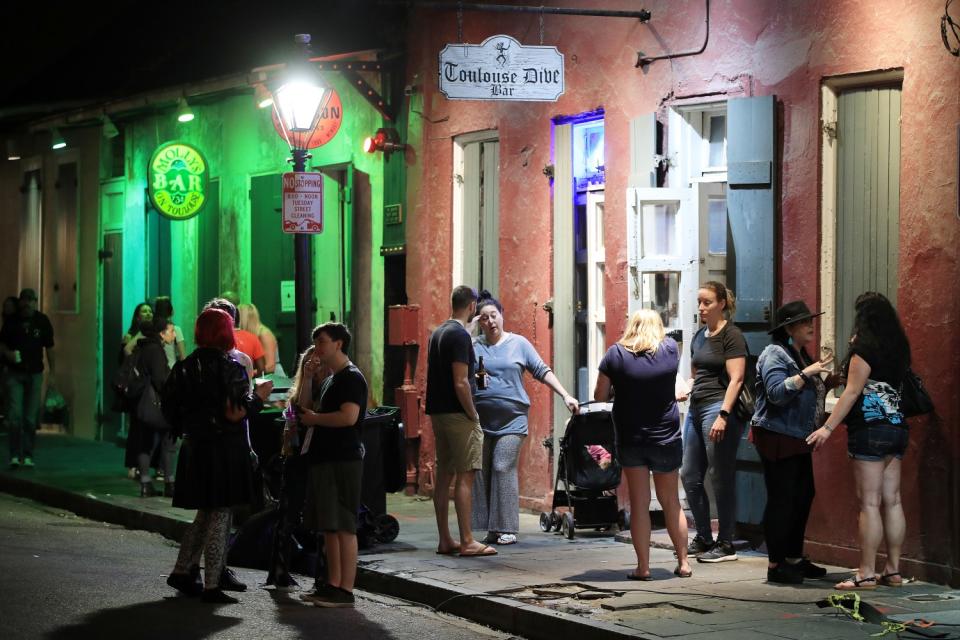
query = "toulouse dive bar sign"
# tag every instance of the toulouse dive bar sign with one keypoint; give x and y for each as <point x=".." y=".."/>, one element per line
<point x="501" y="69"/>
<point x="178" y="180"/>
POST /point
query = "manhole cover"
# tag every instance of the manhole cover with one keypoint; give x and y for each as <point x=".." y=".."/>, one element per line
<point x="932" y="597"/>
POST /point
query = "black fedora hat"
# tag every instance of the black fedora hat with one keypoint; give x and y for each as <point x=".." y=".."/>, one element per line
<point x="793" y="312"/>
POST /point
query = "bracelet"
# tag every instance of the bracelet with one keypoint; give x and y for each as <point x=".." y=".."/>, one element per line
<point x="829" y="429"/>
<point x="804" y="376"/>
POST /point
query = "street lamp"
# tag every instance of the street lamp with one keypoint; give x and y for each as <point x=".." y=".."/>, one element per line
<point x="298" y="103"/>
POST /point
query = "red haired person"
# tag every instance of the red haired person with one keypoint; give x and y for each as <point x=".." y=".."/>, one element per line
<point x="205" y="399"/>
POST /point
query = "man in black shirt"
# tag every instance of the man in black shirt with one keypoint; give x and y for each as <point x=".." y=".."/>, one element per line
<point x="456" y="424"/>
<point x="25" y="337"/>
<point x="334" y="413"/>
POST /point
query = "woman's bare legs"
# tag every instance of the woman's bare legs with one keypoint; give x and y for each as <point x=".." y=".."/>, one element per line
<point x="869" y="476"/>
<point x="638" y="485"/>
<point x="894" y="524"/>
<point x="668" y="493"/>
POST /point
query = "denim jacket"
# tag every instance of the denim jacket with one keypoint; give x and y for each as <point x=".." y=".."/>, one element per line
<point x="779" y="407"/>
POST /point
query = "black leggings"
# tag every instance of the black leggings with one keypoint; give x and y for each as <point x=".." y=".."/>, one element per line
<point x="790" y="494"/>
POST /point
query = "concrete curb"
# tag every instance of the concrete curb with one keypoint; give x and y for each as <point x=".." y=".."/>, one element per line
<point x="93" y="508"/>
<point x="503" y="614"/>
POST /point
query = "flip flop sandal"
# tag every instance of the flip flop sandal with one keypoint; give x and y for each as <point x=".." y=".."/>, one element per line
<point x="864" y="584"/>
<point x="683" y="574"/>
<point x="633" y="576"/>
<point x="486" y="550"/>
<point x="887" y="579"/>
<point x="451" y="552"/>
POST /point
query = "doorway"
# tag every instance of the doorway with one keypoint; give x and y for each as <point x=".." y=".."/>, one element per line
<point x="112" y="322"/>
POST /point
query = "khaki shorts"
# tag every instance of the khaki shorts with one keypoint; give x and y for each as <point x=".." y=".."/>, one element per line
<point x="459" y="443"/>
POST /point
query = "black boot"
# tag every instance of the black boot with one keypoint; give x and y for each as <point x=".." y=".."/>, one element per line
<point x="230" y="582"/>
<point x="147" y="490"/>
<point x="185" y="583"/>
<point x="168" y="488"/>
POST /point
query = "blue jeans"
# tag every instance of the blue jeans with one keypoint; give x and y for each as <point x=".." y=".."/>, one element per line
<point x="702" y="455"/>
<point x="23" y="412"/>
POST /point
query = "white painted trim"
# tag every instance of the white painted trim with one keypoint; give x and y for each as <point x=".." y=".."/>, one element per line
<point x="456" y="184"/>
<point x="828" y="216"/>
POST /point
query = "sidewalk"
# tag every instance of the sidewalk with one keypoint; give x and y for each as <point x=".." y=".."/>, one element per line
<point x="544" y="587"/>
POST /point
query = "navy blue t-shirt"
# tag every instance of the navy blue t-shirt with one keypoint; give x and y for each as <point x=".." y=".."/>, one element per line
<point x="449" y="343"/>
<point x="645" y="403"/>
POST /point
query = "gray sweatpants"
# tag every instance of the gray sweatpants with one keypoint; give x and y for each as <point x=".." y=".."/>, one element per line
<point x="496" y="491"/>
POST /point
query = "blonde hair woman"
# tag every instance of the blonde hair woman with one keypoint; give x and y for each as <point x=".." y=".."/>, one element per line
<point x="250" y="321"/>
<point x="642" y="368"/>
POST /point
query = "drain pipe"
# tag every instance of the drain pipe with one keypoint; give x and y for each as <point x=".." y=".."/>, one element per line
<point x="643" y="61"/>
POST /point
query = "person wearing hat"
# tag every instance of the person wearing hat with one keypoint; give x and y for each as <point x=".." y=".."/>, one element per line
<point x="25" y="337"/>
<point x="790" y="406"/>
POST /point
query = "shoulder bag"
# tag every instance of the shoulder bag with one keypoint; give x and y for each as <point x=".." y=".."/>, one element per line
<point x="914" y="399"/>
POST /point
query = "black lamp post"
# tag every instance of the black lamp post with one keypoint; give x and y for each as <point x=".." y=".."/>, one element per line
<point x="298" y="101"/>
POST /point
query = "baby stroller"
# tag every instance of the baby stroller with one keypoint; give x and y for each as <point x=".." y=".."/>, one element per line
<point x="589" y="474"/>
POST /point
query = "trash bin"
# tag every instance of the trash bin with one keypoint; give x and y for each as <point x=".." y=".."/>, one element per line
<point x="384" y="470"/>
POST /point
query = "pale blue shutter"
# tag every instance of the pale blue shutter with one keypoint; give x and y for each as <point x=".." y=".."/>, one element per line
<point x="751" y="266"/>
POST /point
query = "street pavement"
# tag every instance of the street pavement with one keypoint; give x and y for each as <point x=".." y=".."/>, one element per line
<point x="65" y="577"/>
<point x="543" y="587"/>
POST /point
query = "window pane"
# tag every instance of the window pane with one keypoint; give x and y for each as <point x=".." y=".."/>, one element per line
<point x="661" y="292"/>
<point x="659" y="229"/>
<point x="717" y="225"/>
<point x="718" y="141"/>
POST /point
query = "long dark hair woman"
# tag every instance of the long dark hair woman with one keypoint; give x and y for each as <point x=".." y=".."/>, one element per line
<point x="206" y="398"/>
<point x="877" y="434"/>
<point x="154" y="440"/>
<point x="790" y="405"/>
<point x="712" y="430"/>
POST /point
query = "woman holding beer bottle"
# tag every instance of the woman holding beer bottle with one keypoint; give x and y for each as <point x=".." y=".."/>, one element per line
<point x="503" y="404"/>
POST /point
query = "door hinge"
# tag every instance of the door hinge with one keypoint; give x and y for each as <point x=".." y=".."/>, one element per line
<point x="346" y="195"/>
<point x="829" y="128"/>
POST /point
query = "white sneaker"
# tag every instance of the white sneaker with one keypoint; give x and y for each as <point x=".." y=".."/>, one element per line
<point x="28" y="462"/>
<point x="507" y="538"/>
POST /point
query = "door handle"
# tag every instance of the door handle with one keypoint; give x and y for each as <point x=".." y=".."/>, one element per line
<point x="548" y="307"/>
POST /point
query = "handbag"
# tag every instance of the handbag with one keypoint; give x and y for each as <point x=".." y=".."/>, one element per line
<point x="747" y="400"/>
<point x="148" y="410"/>
<point x="914" y="399"/>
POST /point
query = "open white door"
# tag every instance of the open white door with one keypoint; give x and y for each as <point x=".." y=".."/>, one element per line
<point x="663" y="257"/>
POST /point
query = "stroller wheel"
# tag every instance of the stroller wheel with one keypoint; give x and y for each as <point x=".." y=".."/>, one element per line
<point x="387" y="528"/>
<point x="555" y="520"/>
<point x="545" y="522"/>
<point x="567" y="526"/>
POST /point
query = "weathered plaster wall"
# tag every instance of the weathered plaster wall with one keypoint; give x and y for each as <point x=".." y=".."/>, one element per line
<point x="755" y="48"/>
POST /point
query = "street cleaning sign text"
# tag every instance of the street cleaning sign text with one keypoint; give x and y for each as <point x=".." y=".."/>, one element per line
<point x="501" y="69"/>
<point x="302" y="202"/>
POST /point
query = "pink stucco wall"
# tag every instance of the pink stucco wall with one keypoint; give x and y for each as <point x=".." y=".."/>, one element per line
<point x="755" y="48"/>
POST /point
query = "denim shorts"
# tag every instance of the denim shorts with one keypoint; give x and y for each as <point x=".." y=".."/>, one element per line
<point x="877" y="442"/>
<point x="660" y="458"/>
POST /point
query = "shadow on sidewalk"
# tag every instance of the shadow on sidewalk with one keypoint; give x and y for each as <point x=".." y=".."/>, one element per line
<point x="172" y="617"/>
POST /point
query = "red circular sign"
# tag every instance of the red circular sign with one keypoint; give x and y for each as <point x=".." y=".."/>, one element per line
<point x="327" y="126"/>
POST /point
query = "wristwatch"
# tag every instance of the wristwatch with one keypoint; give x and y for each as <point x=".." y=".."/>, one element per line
<point x="724" y="414"/>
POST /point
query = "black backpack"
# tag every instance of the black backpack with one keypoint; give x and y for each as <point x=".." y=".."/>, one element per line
<point x="129" y="383"/>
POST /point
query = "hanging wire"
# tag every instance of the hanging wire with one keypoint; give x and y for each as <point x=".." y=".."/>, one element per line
<point x="947" y="22"/>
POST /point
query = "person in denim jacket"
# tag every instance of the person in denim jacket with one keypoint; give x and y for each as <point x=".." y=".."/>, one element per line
<point x="790" y="405"/>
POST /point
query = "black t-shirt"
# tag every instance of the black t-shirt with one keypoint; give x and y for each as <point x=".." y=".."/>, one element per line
<point x="449" y="343"/>
<point x="879" y="402"/>
<point x="709" y="356"/>
<point x="29" y="336"/>
<point x="339" y="444"/>
<point x="644" y="405"/>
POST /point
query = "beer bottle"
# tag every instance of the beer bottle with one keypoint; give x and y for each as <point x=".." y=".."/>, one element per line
<point x="481" y="375"/>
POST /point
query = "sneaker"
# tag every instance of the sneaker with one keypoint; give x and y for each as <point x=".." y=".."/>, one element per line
<point x="507" y="538"/>
<point x="320" y="592"/>
<point x="284" y="583"/>
<point x="785" y="573"/>
<point x="699" y="545"/>
<point x="14" y="463"/>
<point x="230" y="582"/>
<point x="810" y="570"/>
<point x="28" y="462"/>
<point x="338" y="599"/>
<point x="722" y="551"/>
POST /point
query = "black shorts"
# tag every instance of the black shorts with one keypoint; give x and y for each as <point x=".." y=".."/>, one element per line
<point x="659" y="458"/>
<point x="877" y="441"/>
